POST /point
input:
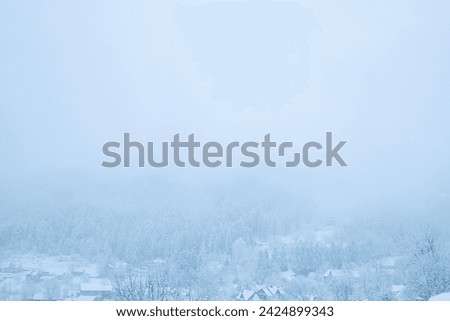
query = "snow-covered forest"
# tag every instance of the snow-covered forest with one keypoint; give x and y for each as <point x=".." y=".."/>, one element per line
<point x="232" y="242"/>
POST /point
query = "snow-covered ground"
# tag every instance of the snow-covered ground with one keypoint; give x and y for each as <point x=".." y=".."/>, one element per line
<point x="441" y="297"/>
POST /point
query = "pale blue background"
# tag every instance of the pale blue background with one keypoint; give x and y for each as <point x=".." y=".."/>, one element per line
<point x="76" y="74"/>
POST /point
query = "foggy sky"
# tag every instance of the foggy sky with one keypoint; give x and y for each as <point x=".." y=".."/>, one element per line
<point x="78" y="74"/>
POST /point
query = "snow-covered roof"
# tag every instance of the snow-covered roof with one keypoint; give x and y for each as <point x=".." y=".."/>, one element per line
<point x="246" y="295"/>
<point x="397" y="287"/>
<point x="440" y="297"/>
<point x="266" y="291"/>
<point x="335" y="273"/>
<point x="96" y="284"/>
<point x="275" y="289"/>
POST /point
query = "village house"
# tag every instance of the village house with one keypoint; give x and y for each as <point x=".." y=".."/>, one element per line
<point x="334" y="275"/>
<point x="269" y="293"/>
<point x="248" y="295"/>
<point x="96" y="287"/>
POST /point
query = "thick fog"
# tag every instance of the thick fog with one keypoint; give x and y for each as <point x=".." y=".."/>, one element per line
<point x="76" y="75"/>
